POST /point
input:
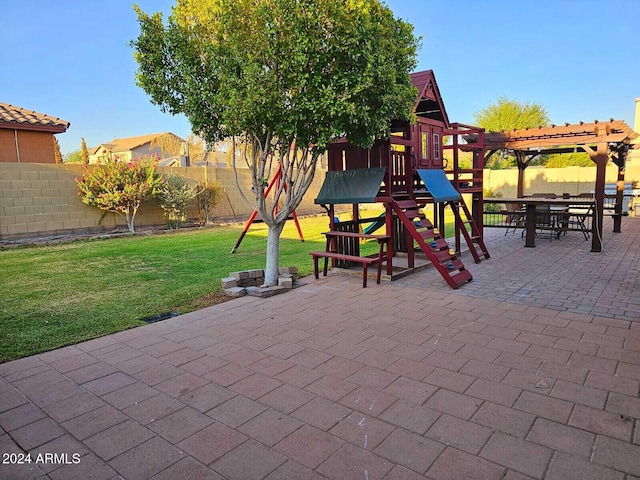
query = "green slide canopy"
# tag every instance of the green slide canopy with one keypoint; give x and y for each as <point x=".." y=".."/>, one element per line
<point x="351" y="186"/>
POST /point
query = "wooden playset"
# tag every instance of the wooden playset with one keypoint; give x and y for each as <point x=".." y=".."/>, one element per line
<point x="414" y="168"/>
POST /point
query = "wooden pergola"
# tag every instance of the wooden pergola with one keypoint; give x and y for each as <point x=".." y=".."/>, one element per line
<point x="601" y="140"/>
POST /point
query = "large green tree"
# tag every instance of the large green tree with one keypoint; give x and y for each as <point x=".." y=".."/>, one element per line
<point x="73" y="157"/>
<point x="507" y="114"/>
<point x="284" y="77"/>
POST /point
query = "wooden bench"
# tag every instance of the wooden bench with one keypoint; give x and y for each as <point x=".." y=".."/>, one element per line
<point x="365" y="261"/>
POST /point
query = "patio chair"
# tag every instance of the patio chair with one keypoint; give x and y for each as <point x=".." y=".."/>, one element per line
<point x="577" y="218"/>
<point x="545" y="222"/>
<point x="515" y="217"/>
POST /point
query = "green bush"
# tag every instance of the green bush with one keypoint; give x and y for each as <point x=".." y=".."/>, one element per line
<point x="120" y="187"/>
<point x="491" y="207"/>
<point x="174" y="198"/>
<point x="209" y="194"/>
<point x="576" y="159"/>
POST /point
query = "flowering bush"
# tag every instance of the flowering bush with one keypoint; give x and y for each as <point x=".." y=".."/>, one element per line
<point x="120" y="187"/>
<point x="209" y="195"/>
<point x="174" y="197"/>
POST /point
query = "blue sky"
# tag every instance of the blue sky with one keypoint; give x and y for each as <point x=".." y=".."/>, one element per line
<point x="579" y="58"/>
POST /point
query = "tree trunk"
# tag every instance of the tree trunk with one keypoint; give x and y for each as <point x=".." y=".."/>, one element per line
<point x="130" y="218"/>
<point x="273" y="254"/>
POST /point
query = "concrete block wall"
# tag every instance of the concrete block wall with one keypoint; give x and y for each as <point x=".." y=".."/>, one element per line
<point x="42" y="199"/>
<point x="573" y="180"/>
<point x="39" y="197"/>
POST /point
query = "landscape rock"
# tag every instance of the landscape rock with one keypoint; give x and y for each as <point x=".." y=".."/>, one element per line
<point x="235" y="291"/>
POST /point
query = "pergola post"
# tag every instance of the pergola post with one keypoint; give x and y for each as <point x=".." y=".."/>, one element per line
<point x="600" y="158"/>
<point x="522" y="164"/>
<point x="620" y="159"/>
<point x="520" y="192"/>
<point x="617" y="217"/>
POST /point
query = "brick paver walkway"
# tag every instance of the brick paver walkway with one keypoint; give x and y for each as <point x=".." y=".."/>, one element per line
<point x="530" y="371"/>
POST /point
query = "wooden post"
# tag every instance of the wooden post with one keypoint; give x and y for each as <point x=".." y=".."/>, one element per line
<point x="620" y="159"/>
<point x="600" y="158"/>
<point x="521" y="166"/>
<point x="617" y="218"/>
<point x="390" y="233"/>
<point x="388" y="174"/>
<point x="356" y="228"/>
<point x="530" y="222"/>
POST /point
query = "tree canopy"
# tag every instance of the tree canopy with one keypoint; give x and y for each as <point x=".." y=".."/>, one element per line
<point x="120" y="187"/>
<point x="277" y="74"/>
<point x="73" y="157"/>
<point x="279" y="69"/>
<point x="507" y="114"/>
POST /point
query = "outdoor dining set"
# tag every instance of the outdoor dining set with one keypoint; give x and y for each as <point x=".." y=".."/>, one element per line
<point x="546" y="215"/>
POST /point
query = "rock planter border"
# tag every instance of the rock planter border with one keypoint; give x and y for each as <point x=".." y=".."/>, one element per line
<point x="248" y="282"/>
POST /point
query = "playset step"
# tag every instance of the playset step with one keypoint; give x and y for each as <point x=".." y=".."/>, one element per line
<point x="473" y="239"/>
<point x="439" y="186"/>
<point x="430" y="241"/>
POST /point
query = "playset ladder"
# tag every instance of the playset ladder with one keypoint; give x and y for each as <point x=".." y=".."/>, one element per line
<point x="474" y="239"/>
<point x="434" y="246"/>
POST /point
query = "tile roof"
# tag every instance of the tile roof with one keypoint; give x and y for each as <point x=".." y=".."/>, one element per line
<point x="22" y="119"/>
<point x="126" y="144"/>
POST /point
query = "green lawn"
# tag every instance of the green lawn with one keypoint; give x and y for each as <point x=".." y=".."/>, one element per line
<point x="63" y="294"/>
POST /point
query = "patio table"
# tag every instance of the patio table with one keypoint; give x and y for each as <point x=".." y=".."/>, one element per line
<point x="531" y="204"/>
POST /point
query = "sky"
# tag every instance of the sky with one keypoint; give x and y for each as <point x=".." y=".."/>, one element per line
<point x="580" y="59"/>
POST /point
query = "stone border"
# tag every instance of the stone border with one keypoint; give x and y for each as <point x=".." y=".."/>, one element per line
<point x="249" y="282"/>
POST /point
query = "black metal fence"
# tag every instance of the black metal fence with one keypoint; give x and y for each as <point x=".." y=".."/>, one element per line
<point x="575" y="219"/>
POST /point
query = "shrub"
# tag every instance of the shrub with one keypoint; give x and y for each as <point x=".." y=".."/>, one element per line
<point x="209" y="194"/>
<point x="174" y="198"/>
<point x="491" y="207"/>
<point x="577" y="159"/>
<point x="120" y="187"/>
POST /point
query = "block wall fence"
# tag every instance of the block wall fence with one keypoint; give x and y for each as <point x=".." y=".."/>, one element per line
<point x="41" y="199"/>
<point x="573" y="180"/>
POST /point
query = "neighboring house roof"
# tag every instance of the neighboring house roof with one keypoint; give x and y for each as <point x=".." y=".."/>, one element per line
<point x="18" y="118"/>
<point x="127" y="144"/>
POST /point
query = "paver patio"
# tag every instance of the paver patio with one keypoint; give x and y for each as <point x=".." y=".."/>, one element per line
<point x="530" y="371"/>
